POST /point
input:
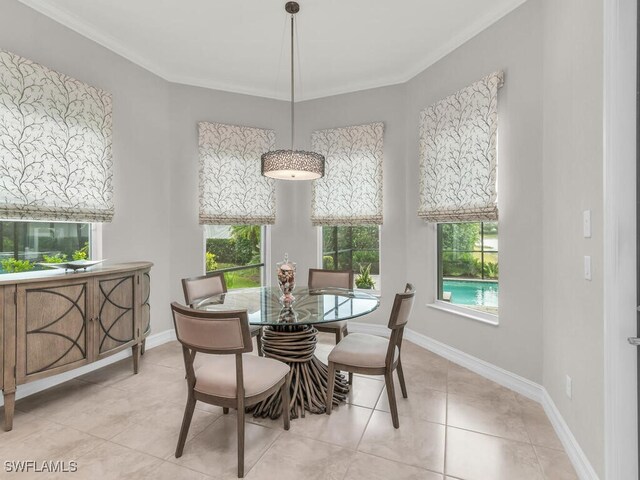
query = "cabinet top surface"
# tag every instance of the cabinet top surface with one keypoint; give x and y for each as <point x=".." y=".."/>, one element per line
<point x="60" y="274"/>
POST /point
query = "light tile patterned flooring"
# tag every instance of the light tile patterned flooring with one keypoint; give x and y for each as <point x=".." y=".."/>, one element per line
<point x="454" y="425"/>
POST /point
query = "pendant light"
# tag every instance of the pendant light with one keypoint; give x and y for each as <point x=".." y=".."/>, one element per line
<point x="292" y="164"/>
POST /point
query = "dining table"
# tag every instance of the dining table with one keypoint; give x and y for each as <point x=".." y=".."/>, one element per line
<point x="289" y="335"/>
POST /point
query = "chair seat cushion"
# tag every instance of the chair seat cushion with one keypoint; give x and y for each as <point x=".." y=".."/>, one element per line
<point x="361" y="350"/>
<point x="331" y="326"/>
<point x="218" y="375"/>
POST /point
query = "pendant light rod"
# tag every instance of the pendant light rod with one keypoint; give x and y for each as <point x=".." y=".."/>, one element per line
<point x="292" y="85"/>
<point x="292" y="164"/>
<point x="292" y="8"/>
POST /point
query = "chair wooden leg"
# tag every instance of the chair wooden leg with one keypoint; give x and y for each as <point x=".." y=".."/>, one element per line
<point x="193" y="357"/>
<point x="143" y="348"/>
<point x="331" y="381"/>
<point x="240" y="416"/>
<point x="225" y="410"/>
<point x="350" y="378"/>
<point x="259" y="342"/>
<point x="403" y="387"/>
<point x="286" y="410"/>
<point x="388" y="380"/>
<point x="186" y="422"/>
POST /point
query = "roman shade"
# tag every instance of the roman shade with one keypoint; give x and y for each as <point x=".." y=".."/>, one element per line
<point x="350" y="193"/>
<point x="458" y="155"/>
<point x="55" y="145"/>
<point x="232" y="190"/>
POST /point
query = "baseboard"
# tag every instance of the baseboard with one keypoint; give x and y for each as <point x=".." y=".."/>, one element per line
<point x="27" y="389"/>
<point x="499" y="375"/>
<point x="578" y="458"/>
<point x="502" y="377"/>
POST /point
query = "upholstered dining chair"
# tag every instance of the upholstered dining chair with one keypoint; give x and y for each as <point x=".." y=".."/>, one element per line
<point x="319" y="278"/>
<point x="229" y="378"/>
<point x="372" y="355"/>
<point x="199" y="288"/>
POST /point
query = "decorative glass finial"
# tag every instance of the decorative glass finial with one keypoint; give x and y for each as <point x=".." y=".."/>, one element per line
<point x="286" y="279"/>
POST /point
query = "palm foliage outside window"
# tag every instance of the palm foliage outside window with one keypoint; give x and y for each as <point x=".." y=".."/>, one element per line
<point x="235" y="250"/>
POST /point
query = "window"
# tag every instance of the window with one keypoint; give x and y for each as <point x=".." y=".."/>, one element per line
<point x="235" y="250"/>
<point x="468" y="265"/>
<point x="353" y="248"/>
<point x="27" y="244"/>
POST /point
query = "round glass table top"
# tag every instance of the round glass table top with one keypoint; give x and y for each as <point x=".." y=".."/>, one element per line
<point x="313" y="306"/>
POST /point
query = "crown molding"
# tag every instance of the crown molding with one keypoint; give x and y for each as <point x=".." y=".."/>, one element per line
<point x="90" y="31"/>
<point x="481" y="24"/>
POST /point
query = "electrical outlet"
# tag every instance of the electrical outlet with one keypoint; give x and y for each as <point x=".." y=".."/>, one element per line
<point x="587" y="267"/>
<point x="586" y="223"/>
<point x="569" y="387"/>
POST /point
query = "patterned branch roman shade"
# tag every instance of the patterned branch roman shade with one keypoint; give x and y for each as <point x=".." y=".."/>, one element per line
<point x="458" y="164"/>
<point x="232" y="190"/>
<point x="55" y="145"/>
<point x="350" y="193"/>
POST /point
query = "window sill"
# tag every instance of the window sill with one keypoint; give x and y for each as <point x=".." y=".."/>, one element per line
<point x="483" y="317"/>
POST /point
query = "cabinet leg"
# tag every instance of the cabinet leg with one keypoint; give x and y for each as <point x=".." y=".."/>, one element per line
<point x="142" y="348"/>
<point x="9" y="407"/>
<point x="135" y="351"/>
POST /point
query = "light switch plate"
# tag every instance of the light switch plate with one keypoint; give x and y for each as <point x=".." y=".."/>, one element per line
<point x="568" y="387"/>
<point x="587" y="267"/>
<point x="586" y="223"/>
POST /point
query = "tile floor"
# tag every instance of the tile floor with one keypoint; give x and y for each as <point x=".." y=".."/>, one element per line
<point x="454" y="425"/>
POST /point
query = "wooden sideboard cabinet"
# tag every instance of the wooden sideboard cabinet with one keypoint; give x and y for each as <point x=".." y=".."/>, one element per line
<point x="52" y="321"/>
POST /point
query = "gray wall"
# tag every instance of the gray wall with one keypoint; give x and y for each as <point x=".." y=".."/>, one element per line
<point x="140" y="227"/>
<point x="550" y="145"/>
<point x="513" y="45"/>
<point x="408" y="244"/>
<point x="188" y="106"/>
<point x="573" y="182"/>
<point x="380" y="104"/>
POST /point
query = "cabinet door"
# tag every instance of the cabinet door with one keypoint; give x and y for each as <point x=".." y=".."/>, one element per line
<point x="115" y="312"/>
<point x="53" y="328"/>
<point x="145" y="306"/>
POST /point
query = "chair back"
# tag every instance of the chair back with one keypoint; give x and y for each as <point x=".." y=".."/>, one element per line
<point x="199" y="288"/>
<point x="225" y="332"/>
<point x="402" y="305"/>
<point x="319" y="278"/>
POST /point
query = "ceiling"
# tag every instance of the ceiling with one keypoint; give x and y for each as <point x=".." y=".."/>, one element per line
<point x="242" y="45"/>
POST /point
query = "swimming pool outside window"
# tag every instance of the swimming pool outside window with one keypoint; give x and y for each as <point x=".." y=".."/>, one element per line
<point x="468" y="265"/>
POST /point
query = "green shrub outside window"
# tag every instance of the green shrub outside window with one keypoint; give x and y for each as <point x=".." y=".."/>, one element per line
<point x="230" y="246"/>
<point x="353" y="248"/>
<point x="25" y="245"/>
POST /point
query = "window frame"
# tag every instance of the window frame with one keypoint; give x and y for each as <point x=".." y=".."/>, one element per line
<point x="460" y="310"/>
<point x="320" y="250"/>
<point x="265" y="254"/>
<point x="95" y="239"/>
